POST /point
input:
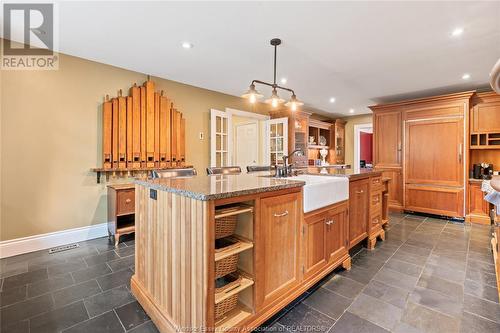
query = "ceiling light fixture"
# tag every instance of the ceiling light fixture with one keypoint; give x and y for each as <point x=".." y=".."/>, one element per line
<point x="187" y="45"/>
<point x="332" y="99"/>
<point x="283" y="80"/>
<point x="351" y="110"/>
<point x="252" y="94"/>
<point x="457" y="32"/>
<point x="466" y="76"/>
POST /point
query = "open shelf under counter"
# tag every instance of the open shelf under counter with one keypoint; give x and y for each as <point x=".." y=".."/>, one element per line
<point x="244" y="244"/>
<point x="246" y="282"/>
<point x="231" y="210"/>
<point x="233" y="318"/>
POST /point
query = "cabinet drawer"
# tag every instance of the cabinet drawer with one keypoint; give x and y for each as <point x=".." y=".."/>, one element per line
<point x="376" y="220"/>
<point x="125" y="202"/>
<point x="376" y="183"/>
<point x="375" y="200"/>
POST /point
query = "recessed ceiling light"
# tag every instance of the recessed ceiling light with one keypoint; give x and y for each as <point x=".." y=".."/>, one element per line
<point x="283" y="80"/>
<point x="466" y="76"/>
<point x="457" y="32"/>
<point x="351" y="110"/>
<point x="332" y="99"/>
<point x="187" y="45"/>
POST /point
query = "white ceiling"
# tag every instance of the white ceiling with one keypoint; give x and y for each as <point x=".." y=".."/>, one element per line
<point x="362" y="53"/>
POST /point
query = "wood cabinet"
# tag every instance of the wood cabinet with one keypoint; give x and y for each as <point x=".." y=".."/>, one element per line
<point x="325" y="238"/>
<point x="485" y="114"/>
<point x="478" y="209"/>
<point x="358" y="210"/>
<point x="278" y="246"/>
<point x="121" y="210"/>
<point x="298" y="134"/>
<point x="431" y="179"/>
<point x="336" y="154"/>
<point x="387" y="151"/>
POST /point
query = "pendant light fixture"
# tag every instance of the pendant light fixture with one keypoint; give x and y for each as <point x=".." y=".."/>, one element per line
<point x="253" y="95"/>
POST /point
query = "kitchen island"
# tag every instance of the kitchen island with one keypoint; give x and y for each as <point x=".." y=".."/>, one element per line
<point x="193" y="272"/>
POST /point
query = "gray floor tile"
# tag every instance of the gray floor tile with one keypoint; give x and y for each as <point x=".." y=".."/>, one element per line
<point x="481" y="256"/>
<point x="149" y="327"/>
<point x="344" y="286"/>
<point x="13" y="295"/>
<point x="446" y="273"/>
<point x="101" y="258"/>
<point x="481" y="266"/>
<point x="25" y="278"/>
<point x="386" y="293"/>
<point x="481" y="307"/>
<point x="125" y="251"/>
<point x="449" y="288"/>
<point x="409" y="257"/>
<point x="14" y="268"/>
<point x="76" y="292"/>
<point x="25" y="309"/>
<point x="302" y="315"/>
<point x="404" y="267"/>
<point x="378" y="312"/>
<point x="438" y="260"/>
<point x="91" y="272"/>
<point x="105" y="323"/>
<point x="59" y="319"/>
<point x="121" y="264"/>
<point x="393" y="278"/>
<point x="428" y="320"/>
<point x="472" y="324"/>
<point x="329" y="303"/>
<point x="108" y="300"/>
<point x="437" y="301"/>
<point x="132" y="315"/>
<point x="120" y="278"/>
<point x="42" y="287"/>
<point x="421" y="251"/>
<point x="481" y="290"/>
<point x="359" y="274"/>
<point x="367" y="262"/>
<point x="482" y="277"/>
<point x="65" y="268"/>
<point x="350" y="323"/>
<point x="19" y="327"/>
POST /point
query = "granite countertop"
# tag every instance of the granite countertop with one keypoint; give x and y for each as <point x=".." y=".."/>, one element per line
<point x="215" y="187"/>
<point x="349" y="173"/>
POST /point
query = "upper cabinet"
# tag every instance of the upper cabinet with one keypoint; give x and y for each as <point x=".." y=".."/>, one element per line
<point x="485" y="121"/>
<point x="387" y="137"/>
<point x="298" y="132"/>
<point x="337" y="147"/>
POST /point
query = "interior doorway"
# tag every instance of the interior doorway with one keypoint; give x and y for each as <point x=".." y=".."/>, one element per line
<point x="246" y="151"/>
<point x="363" y="146"/>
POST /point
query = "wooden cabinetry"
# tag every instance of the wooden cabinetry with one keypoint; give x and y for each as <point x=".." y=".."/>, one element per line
<point x="121" y="210"/>
<point x="478" y="209"/>
<point x="298" y="134"/>
<point x="278" y="253"/>
<point x="358" y="210"/>
<point x="336" y="154"/>
<point x="325" y="238"/>
<point x="431" y="179"/>
<point x="387" y="151"/>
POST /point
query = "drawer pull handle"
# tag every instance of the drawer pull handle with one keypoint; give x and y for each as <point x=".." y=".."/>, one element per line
<point x="128" y="201"/>
<point x="285" y="213"/>
<point x="330" y="222"/>
<point x="375" y="221"/>
<point x="359" y="192"/>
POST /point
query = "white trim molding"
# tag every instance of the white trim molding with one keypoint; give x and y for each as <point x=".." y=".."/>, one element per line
<point x="13" y="247"/>
<point x="247" y="114"/>
<point x="358" y="128"/>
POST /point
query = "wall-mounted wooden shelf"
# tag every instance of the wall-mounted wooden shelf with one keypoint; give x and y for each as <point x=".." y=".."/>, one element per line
<point x="317" y="147"/>
<point x="131" y="172"/>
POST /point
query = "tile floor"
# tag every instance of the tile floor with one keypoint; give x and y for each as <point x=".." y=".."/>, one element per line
<point x="430" y="275"/>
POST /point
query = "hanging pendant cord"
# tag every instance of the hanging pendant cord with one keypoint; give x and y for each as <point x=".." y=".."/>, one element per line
<point x="275" y="51"/>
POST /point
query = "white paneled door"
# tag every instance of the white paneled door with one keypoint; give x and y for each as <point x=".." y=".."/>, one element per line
<point x="221" y="138"/>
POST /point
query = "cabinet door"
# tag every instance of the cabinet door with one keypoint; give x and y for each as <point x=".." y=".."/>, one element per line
<point x="340" y="143"/>
<point x="477" y="204"/>
<point x="387" y="139"/>
<point x="336" y="235"/>
<point x="358" y="210"/>
<point x="315" y="243"/>
<point x="486" y="117"/>
<point x="434" y="152"/>
<point x="395" y="187"/>
<point x="277" y="246"/>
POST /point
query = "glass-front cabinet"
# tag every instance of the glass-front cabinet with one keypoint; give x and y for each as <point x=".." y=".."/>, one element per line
<point x="278" y="140"/>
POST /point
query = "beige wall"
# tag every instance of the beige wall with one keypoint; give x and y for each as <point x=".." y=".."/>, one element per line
<point x="50" y="137"/>
<point x="349" y="135"/>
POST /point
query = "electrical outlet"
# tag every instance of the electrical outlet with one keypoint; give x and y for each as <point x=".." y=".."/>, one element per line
<point x="201" y="135"/>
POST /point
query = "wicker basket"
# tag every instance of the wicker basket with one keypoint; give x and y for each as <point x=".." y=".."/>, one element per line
<point x="225" y="226"/>
<point x="230" y="263"/>
<point x="225" y="285"/>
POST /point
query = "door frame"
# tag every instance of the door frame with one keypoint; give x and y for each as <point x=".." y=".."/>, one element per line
<point x="358" y="128"/>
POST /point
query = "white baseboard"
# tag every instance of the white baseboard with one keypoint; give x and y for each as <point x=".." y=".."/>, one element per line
<point x="22" y="245"/>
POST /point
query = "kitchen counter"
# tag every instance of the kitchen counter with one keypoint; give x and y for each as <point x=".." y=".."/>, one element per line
<point x="350" y="173"/>
<point x="216" y="187"/>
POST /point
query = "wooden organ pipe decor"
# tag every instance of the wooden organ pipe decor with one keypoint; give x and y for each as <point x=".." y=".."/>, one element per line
<point x="142" y="131"/>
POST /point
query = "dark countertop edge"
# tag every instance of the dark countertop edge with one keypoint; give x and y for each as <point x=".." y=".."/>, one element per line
<point x="363" y="175"/>
<point x="209" y="197"/>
